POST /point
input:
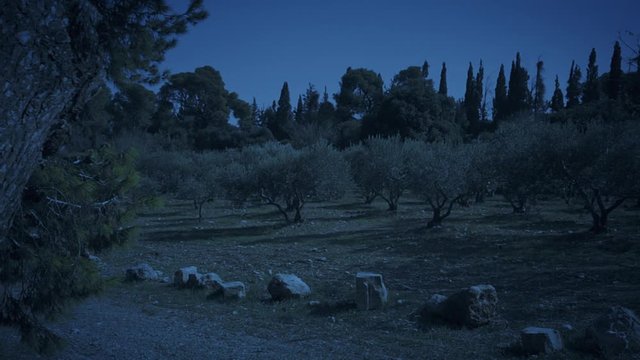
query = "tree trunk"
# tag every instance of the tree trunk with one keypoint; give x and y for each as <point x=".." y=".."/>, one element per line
<point x="436" y="219"/>
<point x="51" y="66"/>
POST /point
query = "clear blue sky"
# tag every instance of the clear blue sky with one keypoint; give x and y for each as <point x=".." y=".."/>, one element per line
<point x="259" y="44"/>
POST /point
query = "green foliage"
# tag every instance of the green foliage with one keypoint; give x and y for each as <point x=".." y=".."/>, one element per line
<point x="286" y="178"/>
<point x="574" y="87"/>
<point x="500" y="100"/>
<point x="136" y="35"/>
<point x="70" y="206"/>
<point x="614" y="83"/>
<point x="412" y="109"/>
<point x="442" y="88"/>
<point x="539" y="103"/>
<point x="360" y="94"/>
<point x="592" y="83"/>
<point x="519" y="96"/>
<point x="439" y="175"/>
<point x="380" y="169"/>
<point x="557" y="100"/>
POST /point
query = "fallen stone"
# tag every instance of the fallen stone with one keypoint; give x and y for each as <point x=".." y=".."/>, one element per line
<point x="287" y="286"/>
<point x="141" y="272"/>
<point x="212" y="281"/>
<point x="187" y="277"/>
<point x="614" y="333"/>
<point x="370" y="291"/>
<point x="432" y="309"/>
<point x="234" y="290"/>
<point x="472" y="307"/>
<point x="536" y="340"/>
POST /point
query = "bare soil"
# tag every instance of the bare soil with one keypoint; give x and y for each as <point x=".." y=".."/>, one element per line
<point x="547" y="269"/>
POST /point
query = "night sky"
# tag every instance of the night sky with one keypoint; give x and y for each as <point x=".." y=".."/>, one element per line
<point x="259" y="44"/>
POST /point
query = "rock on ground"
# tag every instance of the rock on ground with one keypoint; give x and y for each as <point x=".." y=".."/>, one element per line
<point x="536" y="340"/>
<point x="212" y="281"/>
<point x="187" y="277"/>
<point x="615" y="333"/>
<point x="141" y="272"/>
<point x="472" y="307"/>
<point x="287" y="286"/>
<point x="234" y="290"/>
<point x="370" y="291"/>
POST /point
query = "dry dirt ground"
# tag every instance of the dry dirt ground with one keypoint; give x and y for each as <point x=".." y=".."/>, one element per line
<point x="547" y="269"/>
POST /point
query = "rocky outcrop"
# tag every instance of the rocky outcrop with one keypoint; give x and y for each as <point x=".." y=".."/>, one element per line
<point x="287" y="286"/>
<point x="187" y="277"/>
<point x="370" y="291"/>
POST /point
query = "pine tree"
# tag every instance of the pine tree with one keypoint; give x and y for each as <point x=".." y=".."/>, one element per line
<point x="471" y="103"/>
<point x="539" y="89"/>
<point x="557" y="100"/>
<point x="500" y="97"/>
<point x="614" y="86"/>
<point x="592" y="83"/>
<point x="282" y="123"/>
<point x="573" y="86"/>
<point x="442" y="89"/>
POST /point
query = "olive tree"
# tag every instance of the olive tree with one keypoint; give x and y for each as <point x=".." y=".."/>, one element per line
<point x="522" y="159"/>
<point x="602" y="164"/>
<point x="439" y="174"/>
<point x="379" y="168"/>
<point x="285" y="178"/>
<point x="201" y="182"/>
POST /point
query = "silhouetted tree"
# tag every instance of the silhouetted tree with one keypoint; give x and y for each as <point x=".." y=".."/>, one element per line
<point x="360" y="93"/>
<point x="614" y="85"/>
<point x="519" y="96"/>
<point x="299" y="112"/>
<point x="592" y="83"/>
<point x="539" y="104"/>
<point x="442" y="89"/>
<point x="471" y="103"/>
<point x="573" y="86"/>
<point x="500" y="100"/>
<point x="557" y="100"/>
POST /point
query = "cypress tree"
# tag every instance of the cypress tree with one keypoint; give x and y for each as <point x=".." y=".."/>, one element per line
<point x="299" y="114"/>
<point x="283" y="115"/>
<point x="470" y="102"/>
<point x="592" y="84"/>
<point x="539" y="89"/>
<point x="615" y="73"/>
<point x="500" y="97"/>
<point x="442" y="89"/>
<point x="425" y="70"/>
<point x="518" y="95"/>
<point x="479" y="103"/>
<point x="573" y="86"/>
<point x="557" y="100"/>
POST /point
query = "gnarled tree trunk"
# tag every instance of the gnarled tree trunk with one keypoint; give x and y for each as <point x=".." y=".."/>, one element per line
<point x="51" y="64"/>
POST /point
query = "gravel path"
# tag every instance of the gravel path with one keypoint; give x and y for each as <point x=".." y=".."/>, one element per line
<point x="103" y="328"/>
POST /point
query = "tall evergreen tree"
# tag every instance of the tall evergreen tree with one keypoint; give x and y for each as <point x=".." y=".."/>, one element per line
<point x="479" y="99"/>
<point x="614" y="86"/>
<point x="592" y="83"/>
<point x="471" y="102"/>
<point x="539" y="89"/>
<point x="573" y="86"/>
<point x="500" y="97"/>
<point x="299" y="112"/>
<point x="442" y="89"/>
<point x="280" y="123"/>
<point x="326" y="110"/>
<point x="311" y="101"/>
<point x="425" y="69"/>
<point x="519" y="96"/>
<point x="557" y="100"/>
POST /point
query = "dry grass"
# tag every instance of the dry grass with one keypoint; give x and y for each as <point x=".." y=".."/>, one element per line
<point x="547" y="270"/>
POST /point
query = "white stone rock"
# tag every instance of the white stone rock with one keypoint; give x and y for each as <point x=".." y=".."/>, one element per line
<point x="537" y="340"/>
<point x="370" y="291"/>
<point x="187" y="277"/>
<point x="141" y="272"/>
<point x="212" y="281"/>
<point x="470" y="307"/>
<point x="234" y="290"/>
<point x="287" y="286"/>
